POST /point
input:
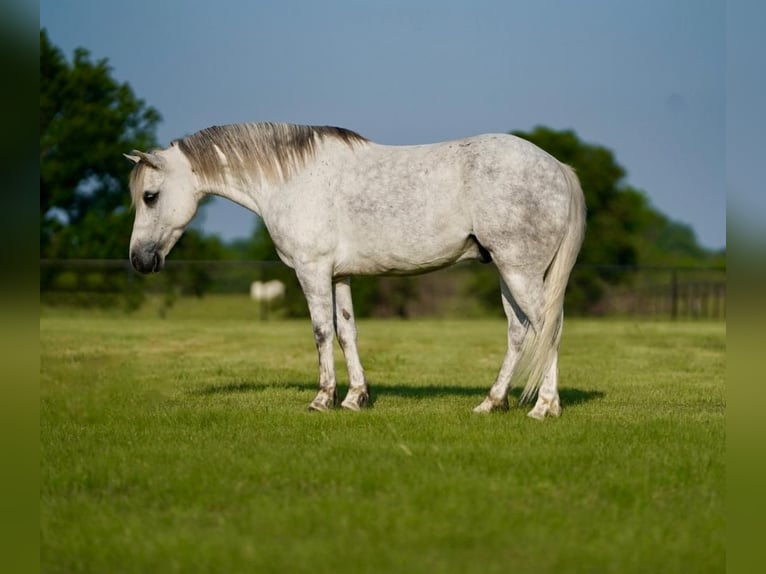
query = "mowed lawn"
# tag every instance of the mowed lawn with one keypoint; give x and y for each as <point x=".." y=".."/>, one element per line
<point x="184" y="445"/>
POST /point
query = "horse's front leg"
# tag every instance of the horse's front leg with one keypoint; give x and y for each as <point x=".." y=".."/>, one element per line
<point x="317" y="287"/>
<point x="345" y="327"/>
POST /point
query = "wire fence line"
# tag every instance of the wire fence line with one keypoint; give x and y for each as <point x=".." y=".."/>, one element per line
<point x="463" y="290"/>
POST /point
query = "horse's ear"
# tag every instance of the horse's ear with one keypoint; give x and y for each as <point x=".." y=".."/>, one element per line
<point x="150" y="159"/>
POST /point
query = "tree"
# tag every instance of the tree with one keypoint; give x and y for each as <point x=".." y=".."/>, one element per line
<point x="87" y="120"/>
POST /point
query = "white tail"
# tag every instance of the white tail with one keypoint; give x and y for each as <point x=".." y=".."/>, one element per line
<point x="539" y="348"/>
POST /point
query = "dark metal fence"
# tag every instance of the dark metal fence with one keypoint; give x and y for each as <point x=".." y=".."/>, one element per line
<point x="460" y="291"/>
<point x="662" y="292"/>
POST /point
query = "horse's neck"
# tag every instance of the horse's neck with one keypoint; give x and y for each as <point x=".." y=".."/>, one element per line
<point x="250" y="196"/>
<point x="255" y="194"/>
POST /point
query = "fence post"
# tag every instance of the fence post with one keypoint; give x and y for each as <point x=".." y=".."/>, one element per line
<point x="263" y="302"/>
<point x="674" y="294"/>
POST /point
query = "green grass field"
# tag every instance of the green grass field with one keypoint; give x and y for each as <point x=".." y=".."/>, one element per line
<point x="184" y="445"/>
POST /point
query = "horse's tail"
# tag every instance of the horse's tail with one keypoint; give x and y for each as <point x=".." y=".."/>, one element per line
<point x="539" y="348"/>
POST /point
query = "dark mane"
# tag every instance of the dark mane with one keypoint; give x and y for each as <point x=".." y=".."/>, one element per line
<point x="252" y="150"/>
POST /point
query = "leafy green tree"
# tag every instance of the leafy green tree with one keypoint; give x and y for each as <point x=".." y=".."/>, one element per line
<point x="87" y="120"/>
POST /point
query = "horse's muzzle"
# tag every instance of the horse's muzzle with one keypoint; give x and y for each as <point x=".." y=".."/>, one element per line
<point x="148" y="261"/>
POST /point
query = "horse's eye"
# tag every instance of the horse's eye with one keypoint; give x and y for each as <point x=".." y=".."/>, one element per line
<point x="150" y="197"/>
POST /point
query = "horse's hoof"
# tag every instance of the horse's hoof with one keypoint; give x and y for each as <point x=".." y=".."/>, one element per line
<point x="545" y="408"/>
<point x="537" y="414"/>
<point x="490" y="406"/>
<point x="323" y="402"/>
<point x="356" y="401"/>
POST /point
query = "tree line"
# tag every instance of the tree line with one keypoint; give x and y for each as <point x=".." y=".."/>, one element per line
<point x="88" y="119"/>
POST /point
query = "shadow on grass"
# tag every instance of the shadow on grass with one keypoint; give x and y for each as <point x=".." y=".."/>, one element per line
<point x="568" y="396"/>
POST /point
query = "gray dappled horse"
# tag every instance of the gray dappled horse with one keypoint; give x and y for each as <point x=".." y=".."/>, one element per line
<point x="338" y="205"/>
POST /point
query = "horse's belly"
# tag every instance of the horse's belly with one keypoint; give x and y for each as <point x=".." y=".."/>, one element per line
<point x="387" y="254"/>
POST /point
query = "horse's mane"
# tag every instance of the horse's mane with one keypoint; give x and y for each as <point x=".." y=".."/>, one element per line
<point x="269" y="150"/>
<point x="251" y="150"/>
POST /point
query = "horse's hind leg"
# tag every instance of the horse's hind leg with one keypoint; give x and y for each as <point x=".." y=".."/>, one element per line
<point x="523" y="303"/>
<point x="548" y="396"/>
<point x="345" y="327"/>
<point x="497" y="398"/>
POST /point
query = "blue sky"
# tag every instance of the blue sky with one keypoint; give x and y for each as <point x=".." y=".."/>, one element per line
<point x="645" y="78"/>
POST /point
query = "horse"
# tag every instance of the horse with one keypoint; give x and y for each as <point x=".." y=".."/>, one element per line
<point x="339" y="205"/>
<point x="267" y="291"/>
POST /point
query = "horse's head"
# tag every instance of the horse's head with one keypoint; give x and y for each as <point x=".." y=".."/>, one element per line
<point x="162" y="185"/>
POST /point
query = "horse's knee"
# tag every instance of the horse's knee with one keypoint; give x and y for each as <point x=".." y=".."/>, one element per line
<point x="322" y="334"/>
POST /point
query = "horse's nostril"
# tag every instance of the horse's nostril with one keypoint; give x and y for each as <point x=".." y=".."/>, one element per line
<point x="146" y="261"/>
